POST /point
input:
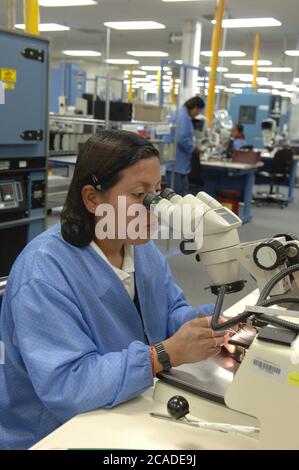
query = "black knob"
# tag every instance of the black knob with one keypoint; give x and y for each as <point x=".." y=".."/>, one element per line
<point x="270" y="254"/>
<point x="151" y="198"/>
<point x="288" y="236"/>
<point x="183" y="247"/>
<point x="293" y="253"/>
<point x="178" y="407"/>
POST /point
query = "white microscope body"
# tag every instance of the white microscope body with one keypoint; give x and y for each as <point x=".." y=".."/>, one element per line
<point x="269" y="132"/>
<point x="266" y="384"/>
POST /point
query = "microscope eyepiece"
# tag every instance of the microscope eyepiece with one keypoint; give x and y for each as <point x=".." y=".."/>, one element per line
<point x="151" y="198"/>
<point x="167" y="193"/>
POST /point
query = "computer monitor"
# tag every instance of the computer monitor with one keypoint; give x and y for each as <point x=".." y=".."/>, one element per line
<point x="119" y="111"/>
<point x="247" y="115"/>
<point x="89" y="98"/>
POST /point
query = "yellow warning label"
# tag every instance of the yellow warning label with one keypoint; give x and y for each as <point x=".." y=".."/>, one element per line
<point x="8" y="75"/>
<point x="9" y="86"/>
<point x="293" y="379"/>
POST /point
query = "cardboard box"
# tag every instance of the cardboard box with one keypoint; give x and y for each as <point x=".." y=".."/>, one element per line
<point x="246" y="156"/>
<point x="149" y="112"/>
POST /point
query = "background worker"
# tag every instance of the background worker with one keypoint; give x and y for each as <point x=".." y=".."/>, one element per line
<point x="185" y="145"/>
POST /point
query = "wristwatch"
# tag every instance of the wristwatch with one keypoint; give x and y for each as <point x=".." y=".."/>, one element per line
<point x="162" y="356"/>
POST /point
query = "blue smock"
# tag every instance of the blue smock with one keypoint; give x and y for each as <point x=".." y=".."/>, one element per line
<point x="238" y="143"/>
<point x="74" y="340"/>
<point x="185" y="142"/>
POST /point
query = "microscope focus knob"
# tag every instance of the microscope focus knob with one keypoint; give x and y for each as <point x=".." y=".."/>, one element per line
<point x="270" y="254"/>
<point x="178" y="407"/>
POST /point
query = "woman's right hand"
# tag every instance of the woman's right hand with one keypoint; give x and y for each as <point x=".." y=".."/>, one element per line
<point x="195" y="341"/>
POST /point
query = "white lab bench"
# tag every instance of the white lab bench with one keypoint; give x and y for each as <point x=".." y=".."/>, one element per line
<point x="130" y="426"/>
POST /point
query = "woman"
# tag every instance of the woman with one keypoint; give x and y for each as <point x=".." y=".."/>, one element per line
<point x="81" y="315"/>
<point x="238" y="137"/>
<point x="186" y="148"/>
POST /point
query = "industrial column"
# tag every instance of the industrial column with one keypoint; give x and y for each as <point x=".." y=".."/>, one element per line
<point x="190" y="55"/>
<point x="216" y="43"/>
<point x="255" y="60"/>
<point x="31" y="16"/>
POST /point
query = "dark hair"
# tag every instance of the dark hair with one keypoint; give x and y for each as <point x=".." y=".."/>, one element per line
<point x="100" y="163"/>
<point x="195" y="102"/>
<point x="240" y="128"/>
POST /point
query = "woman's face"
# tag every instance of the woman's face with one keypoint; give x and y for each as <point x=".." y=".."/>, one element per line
<point x="235" y="132"/>
<point x="129" y="218"/>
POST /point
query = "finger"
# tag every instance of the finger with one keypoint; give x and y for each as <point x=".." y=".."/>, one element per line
<point x="208" y="333"/>
<point x="205" y="322"/>
<point x="214" y="352"/>
<point x="216" y="342"/>
<point x="234" y="328"/>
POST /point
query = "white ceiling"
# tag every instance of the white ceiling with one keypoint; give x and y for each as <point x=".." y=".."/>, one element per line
<point x="90" y="19"/>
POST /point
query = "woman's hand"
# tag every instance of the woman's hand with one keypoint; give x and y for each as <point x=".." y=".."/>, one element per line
<point x="195" y="341"/>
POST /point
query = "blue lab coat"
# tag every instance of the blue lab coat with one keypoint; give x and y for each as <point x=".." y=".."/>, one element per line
<point x="238" y="143"/>
<point x="74" y="340"/>
<point x="185" y="142"/>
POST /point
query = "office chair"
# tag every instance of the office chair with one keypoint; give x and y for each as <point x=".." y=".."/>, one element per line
<point x="280" y="174"/>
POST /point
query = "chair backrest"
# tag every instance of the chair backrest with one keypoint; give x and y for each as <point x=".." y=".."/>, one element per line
<point x="282" y="161"/>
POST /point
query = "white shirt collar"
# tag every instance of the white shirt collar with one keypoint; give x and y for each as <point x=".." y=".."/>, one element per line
<point x="128" y="266"/>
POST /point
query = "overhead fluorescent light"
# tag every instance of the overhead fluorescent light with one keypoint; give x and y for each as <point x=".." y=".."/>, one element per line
<point x="296" y="80"/>
<point x="275" y="69"/>
<point x="224" y="53"/>
<point x="66" y="3"/>
<point x="134" y="25"/>
<point x="47" y="27"/>
<point x="245" y="76"/>
<point x="122" y="61"/>
<point x="237" y="91"/>
<point x="148" y="53"/>
<point x="240" y="85"/>
<point x="179" y="62"/>
<point x="249" y="23"/>
<point x="285" y="94"/>
<point x="82" y="53"/>
<point x="264" y="90"/>
<point x="219" y="69"/>
<point x="151" y="68"/>
<point x="135" y="72"/>
<point x="141" y="80"/>
<point x="292" y="53"/>
<point x="291" y="88"/>
<point x="250" y="62"/>
<point x="275" y="83"/>
<point x="261" y="80"/>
